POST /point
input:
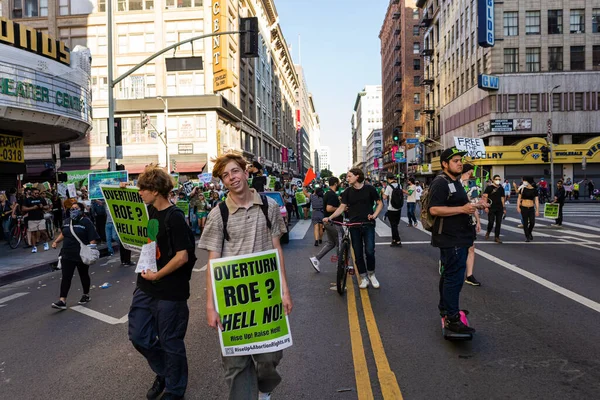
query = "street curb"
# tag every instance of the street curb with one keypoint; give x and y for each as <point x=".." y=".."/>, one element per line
<point x="37" y="270"/>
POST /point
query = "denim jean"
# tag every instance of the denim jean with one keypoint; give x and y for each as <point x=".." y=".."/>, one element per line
<point x="6" y="228"/>
<point x="454" y="262"/>
<point x="157" y="329"/>
<point x="111" y="234"/>
<point x="364" y="234"/>
<point x="410" y="213"/>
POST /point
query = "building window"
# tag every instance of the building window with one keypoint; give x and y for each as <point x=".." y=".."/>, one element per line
<point x="185" y="83"/>
<point x="30" y="8"/>
<point x="596" y="58"/>
<point x="555" y="58"/>
<point x="578" y="106"/>
<point x="577" y="21"/>
<point x="416" y="13"/>
<point x="101" y="6"/>
<point x="416" y="30"/>
<point x="555" y="22"/>
<point x="533" y="59"/>
<point x="417" y="115"/>
<point x="512" y="102"/>
<point x="511" y="23"/>
<point x="532" y="23"/>
<point x="556" y="101"/>
<point x="534" y="102"/>
<point x="416" y="48"/>
<point x="417" y="98"/>
<point x="183" y="3"/>
<point x="596" y="20"/>
<point x="577" y="58"/>
<point x="417" y="64"/>
<point x="511" y="60"/>
<point x="417" y="80"/>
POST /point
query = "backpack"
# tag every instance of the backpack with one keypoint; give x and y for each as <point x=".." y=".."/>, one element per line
<point x="225" y="215"/>
<point x="191" y="252"/>
<point x="427" y="219"/>
<point x="397" y="197"/>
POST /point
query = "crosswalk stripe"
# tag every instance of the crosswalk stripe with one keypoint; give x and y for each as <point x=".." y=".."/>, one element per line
<point x="299" y="230"/>
<point x="382" y="230"/>
<point x="565" y="231"/>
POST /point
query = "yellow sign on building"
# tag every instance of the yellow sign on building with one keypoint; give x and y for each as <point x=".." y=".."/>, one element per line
<point x="223" y="78"/>
<point x="528" y="151"/>
<point x="12" y="149"/>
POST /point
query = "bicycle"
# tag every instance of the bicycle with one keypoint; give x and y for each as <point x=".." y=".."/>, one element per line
<point x="343" y="269"/>
<point x="49" y="226"/>
<point x="17" y="233"/>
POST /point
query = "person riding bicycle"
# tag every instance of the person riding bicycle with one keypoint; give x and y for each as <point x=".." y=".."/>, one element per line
<point x="360" y="198"/>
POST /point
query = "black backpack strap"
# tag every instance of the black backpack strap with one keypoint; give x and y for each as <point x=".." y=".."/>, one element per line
<point x="265" y="209"/>
<point x="225" y="217"/>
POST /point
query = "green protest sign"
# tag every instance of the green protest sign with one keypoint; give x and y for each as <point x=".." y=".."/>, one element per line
<point x="247" y="292"/>
<point x="184" y="206"/>
<point x="301" y="198"/>
<point x="551" y="210"/>
<point x="129" y="214"/>
<point x="272" y="181"/>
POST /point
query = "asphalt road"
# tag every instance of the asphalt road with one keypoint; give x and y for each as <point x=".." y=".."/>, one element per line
<point x="536" y="315"/>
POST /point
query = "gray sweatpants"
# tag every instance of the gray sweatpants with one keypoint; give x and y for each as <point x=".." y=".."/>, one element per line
<point x="247" y="375"/>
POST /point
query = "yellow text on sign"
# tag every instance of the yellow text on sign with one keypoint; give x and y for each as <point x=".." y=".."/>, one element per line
<point x="11" y="149"/>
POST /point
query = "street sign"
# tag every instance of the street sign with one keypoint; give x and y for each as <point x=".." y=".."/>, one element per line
<point x="412" y="141"/>
<point x="400" y="160"/>
<point x="118" y="152"/>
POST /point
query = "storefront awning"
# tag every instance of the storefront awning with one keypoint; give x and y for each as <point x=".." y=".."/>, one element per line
<point x="189" y="166"/>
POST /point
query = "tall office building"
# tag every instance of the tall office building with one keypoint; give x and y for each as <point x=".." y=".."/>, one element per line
<point x="536" y="71"/>
<point x="367" y="115"/>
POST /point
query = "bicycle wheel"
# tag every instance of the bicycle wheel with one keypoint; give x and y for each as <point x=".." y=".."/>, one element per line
<point x="15" y="237"/>
<point x="50" y="229"/>
<point x="342" y="268"/>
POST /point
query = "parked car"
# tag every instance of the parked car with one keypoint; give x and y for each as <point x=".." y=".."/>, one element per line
<point x="279" y="199"/>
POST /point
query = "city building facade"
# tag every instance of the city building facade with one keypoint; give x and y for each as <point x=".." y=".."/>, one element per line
<point x="539" y="76"/>
<point x="226" y="104"/>
<point x="367" y="116"/>
<point x="401" y="73"/>
<point x="324" y="157"/>
<point x="307" y="126"/>
<point x="374" y="152"/>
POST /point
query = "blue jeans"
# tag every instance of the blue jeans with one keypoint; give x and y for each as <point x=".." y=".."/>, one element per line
<point x="410" y="212"/>
<point x="364" y="234"/>
<point x="454" y="262"/>
<point x="6" y="228"/>
<point x="111" y="234"/>
<point x="157" y="329"/>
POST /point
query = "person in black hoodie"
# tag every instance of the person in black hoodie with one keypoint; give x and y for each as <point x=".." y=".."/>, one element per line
<point x="69" y="257"/>
<point x="256" y="173"/>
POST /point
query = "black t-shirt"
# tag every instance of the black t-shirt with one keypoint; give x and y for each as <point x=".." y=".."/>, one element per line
<point x="38" y="213"/>
<point x="360" y="202"/>
<point x="85" y="231"/>
<point x="176" y="285"/>
<point x="457" y="230"/>
<point x="528" y="193"/>
<point x="331" y="198"/>
<point x="560" y="195"/>
<point x="259" y="182"/>
<point x="495" y="194"/>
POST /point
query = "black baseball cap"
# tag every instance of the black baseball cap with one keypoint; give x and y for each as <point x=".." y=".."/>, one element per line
<point x="390" y="176"/>
<point x="451" y="152"/>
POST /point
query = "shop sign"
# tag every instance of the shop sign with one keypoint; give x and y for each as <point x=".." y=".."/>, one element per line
<point x="185" y="148"/>
<point x="485" y="30"/>
<point x="27" y="38"/>
<point x="11" y="149"/>
<point x="488" y="82"/>
<point x="510" y="125"/>
<point x="223" y="78"/>
<point x="593" y="150"/>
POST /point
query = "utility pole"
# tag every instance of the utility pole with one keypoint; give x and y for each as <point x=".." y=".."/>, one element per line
<point x="111" y="98"/>
<point x="166" y="141"/>
<point x="550" y="140"/>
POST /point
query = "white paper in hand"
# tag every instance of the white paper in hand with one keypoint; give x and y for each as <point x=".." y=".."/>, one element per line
<point x="147" y="260"/>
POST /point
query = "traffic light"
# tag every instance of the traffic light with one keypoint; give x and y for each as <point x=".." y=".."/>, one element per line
<point x="396" y="135"/>
<point x="64" y="150"/>
<point x="249" y="37"/>
<point x="145" y="120"/>
<point x="545" y="153"/>
<point x="118" y="132"/>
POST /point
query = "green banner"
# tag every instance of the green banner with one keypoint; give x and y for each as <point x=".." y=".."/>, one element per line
<point x="184" y="206"/>
<point x="129" y="214"/>
<point x="301" y="198"/>
<point x="247" y="292"/>
<point x="551" y="210"/>
<point x="80" y="178"/>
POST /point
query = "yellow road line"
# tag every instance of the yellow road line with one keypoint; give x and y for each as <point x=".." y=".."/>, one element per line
<point x="361" y="372"/>
<point x="387" y="379"/>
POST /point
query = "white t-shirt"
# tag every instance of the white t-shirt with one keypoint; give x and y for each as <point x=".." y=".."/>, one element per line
<point x="388" y="192"/>
<point x="412" y="197"/>
<point x="419" y="192"/>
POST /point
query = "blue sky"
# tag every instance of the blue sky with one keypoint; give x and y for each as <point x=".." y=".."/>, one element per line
<point x="340" y="55"/>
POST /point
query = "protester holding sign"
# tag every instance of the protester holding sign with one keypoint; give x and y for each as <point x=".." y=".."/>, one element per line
<point x="528" y="205"/>
<point x="159" y="305"/>
<point x="253" y="224"/>
<point x="559" y="198"/>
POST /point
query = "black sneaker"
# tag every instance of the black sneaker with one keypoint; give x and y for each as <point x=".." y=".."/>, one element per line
<point x="85" y="299"/>
<point x="457" y="326"/>
<point x="157" y="388"/>
<point x="61" y="305"/>
<point x="126" y="264"/>
<point x="472" y="281"/>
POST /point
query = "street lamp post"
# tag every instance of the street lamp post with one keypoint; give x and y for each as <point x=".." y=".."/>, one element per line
<point x="166" y="140"/>
<point x="550" y="140"/>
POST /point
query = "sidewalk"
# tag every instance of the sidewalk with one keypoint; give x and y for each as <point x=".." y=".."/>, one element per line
<point x="18" y="264"/>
